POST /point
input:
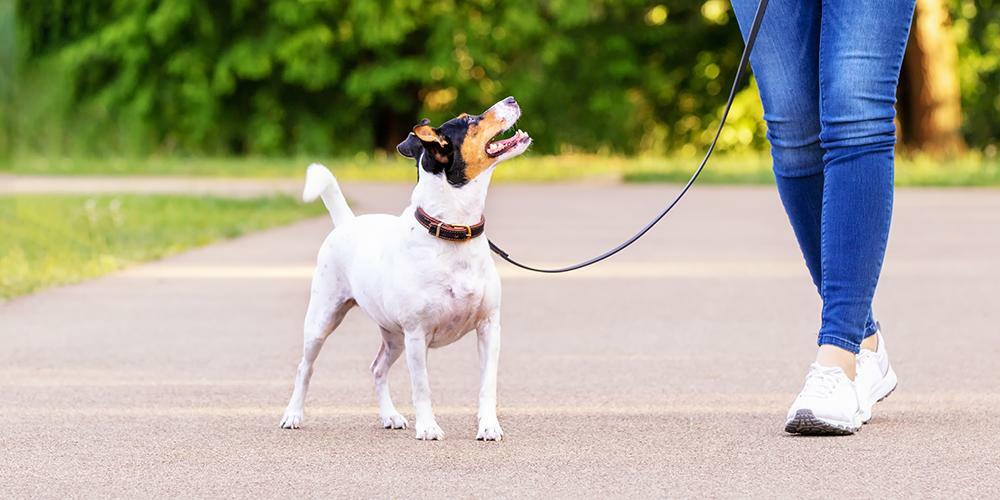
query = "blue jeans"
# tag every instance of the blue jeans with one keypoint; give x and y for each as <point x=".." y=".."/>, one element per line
<point x="827" y="72"/>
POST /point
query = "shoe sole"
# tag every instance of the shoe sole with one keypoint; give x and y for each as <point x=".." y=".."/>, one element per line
<point x="806" y="424"/>
<point x="879" y="400"/>
<point x="888" y="393"/>
<point x="889" y="378"/>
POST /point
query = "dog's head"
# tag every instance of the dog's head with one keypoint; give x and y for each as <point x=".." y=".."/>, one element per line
<point x="464" y="147"/>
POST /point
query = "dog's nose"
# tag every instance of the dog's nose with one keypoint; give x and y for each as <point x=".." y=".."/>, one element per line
<point x="510" y="101"/>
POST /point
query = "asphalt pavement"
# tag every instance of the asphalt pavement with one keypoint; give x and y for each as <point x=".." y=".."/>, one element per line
<point x="665" y="372"/>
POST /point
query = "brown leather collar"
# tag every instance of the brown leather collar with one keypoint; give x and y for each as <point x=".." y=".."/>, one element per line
<point x="449" y="232"/>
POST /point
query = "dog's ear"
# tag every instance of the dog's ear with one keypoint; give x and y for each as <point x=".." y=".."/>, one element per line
<point x="426" y="133"/>
<point x="410" y="147"/>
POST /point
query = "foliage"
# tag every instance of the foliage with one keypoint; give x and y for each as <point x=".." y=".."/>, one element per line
<point x="50" y="240"/>
<point x="977" y="30"/>
<point x="8" y="56"/>
<point x="336" y="76"/>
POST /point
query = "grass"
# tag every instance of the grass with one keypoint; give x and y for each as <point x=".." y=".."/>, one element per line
<point x="970" y="170"/>
<point x="379" y="168"/>
<point x="967" y="171"/>
<point x="53" y="239"/>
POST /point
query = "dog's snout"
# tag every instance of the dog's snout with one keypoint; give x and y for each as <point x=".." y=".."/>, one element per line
<point x="506" y="112"/>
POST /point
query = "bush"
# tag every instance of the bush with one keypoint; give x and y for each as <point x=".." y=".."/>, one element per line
<point x="338" y="77"/>
<point x="977" y="30"/>
<point x="324" y="76"/>
<point x="8" y="65"/>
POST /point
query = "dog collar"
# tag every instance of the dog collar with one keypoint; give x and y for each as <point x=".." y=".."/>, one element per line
<point x="446" y="231"/>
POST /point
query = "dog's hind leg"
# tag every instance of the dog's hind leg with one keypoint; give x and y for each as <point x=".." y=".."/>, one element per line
<point x="416" y="360"/>
<point x="322" y="317"/>
<point x="388" y="353"/>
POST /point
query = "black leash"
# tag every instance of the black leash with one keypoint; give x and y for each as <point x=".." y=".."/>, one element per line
<point x="740" y="72"/>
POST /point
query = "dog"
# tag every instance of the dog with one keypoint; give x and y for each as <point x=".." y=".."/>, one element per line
<point x="425" y="277"/>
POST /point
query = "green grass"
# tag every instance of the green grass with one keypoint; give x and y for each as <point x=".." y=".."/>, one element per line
<point x="720" y="170"/>
<point x="379" y="168"/>
<point x="52" y="239"/>
<point x="970" y="170"/>
<point x="967" y="171"/>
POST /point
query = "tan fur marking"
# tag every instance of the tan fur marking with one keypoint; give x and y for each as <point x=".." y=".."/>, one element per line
<point x="427" y="133"/>
<point x="474" y="145"/>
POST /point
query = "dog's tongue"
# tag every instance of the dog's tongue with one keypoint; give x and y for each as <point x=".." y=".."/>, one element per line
<point x="502" y="144"/>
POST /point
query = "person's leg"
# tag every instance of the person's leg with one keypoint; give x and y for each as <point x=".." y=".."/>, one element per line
<point x="870" y="341"/>
<point x="786" y="66"/>
<point x="789" y="89"/>
<point x="861" y="50"/>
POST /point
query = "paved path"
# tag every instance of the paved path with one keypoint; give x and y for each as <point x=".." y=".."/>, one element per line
<point x="665" y="372"/>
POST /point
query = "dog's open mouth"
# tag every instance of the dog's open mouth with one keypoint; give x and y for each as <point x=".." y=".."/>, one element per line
<point x="501" y="146"/>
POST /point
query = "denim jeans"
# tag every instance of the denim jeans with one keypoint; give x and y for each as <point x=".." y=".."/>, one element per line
<point x="827" y="72"/>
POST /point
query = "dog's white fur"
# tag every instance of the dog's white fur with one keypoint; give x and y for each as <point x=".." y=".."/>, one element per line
<point x="422" y="291"/>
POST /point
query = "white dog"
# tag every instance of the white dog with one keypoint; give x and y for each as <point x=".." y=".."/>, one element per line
<point x="425" y="277"/>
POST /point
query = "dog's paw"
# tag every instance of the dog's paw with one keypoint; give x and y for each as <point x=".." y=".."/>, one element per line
<point x="489" y="429"/>
<point x="292" y="419"/>
<point x="429" y="431"/>
<point x="394" y="421"/>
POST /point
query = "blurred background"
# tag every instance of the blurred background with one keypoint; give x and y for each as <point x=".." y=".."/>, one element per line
<point x="624" y="90"/>
<point x="340" y="78"/>
<point x="134" y="130"/>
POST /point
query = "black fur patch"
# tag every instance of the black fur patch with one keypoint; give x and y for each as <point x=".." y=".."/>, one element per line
<point x="411" y="147"/>
<point x="438" y="159"/>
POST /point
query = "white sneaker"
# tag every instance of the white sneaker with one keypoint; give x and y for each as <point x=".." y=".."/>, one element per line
<point x="875" y="379"/>
<point x="828" y="404"/>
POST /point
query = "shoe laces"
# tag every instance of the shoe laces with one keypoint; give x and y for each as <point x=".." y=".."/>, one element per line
<point x="821" y="381"/>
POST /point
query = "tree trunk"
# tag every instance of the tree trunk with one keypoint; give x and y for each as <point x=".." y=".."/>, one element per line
<point x="930" y="105"/>
<point x="391" y="128"/>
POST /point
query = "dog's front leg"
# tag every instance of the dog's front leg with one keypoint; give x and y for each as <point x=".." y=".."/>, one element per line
<point x="416" y="360"/>
<point x="489" y="359"/>
<point x="392" y="347"/>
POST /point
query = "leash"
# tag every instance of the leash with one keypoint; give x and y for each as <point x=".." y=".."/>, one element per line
<point x="740" y="73"/>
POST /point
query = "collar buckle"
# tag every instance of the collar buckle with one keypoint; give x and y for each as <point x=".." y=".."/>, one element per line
<point x="445" y="231"/>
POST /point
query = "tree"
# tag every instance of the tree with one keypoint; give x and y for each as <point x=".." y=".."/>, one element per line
<point x="977" y="30"/>
<point x="7" y="73"/>
<point x="342" y="76"/>
<point x="930" y="105"/>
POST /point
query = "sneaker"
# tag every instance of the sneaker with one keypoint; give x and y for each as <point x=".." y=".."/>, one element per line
<point x="875" y="379"/>
<point x="828" y="404"/>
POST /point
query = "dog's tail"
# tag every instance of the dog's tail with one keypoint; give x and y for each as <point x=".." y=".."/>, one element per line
<point x="320" y="183"/>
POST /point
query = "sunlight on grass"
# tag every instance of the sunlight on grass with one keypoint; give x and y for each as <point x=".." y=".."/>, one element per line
<point x="52" y="240"/>
<point x="970" y="170"/>
<point x="378" y="168"/>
